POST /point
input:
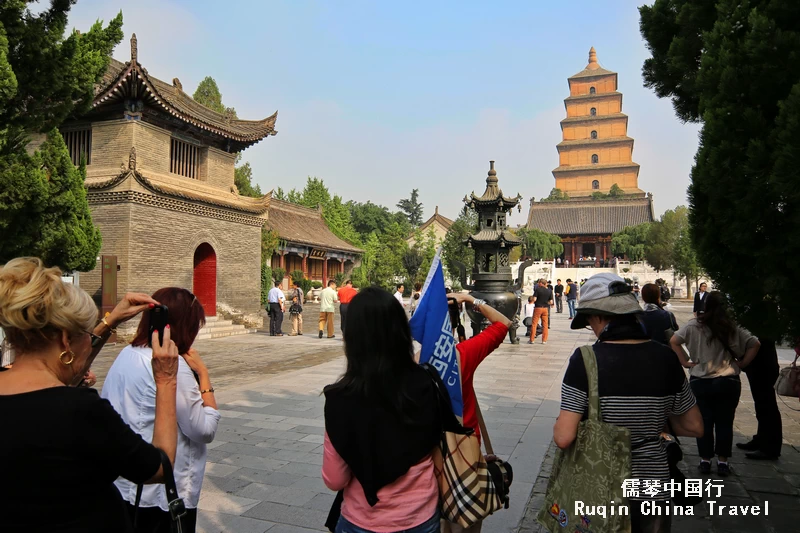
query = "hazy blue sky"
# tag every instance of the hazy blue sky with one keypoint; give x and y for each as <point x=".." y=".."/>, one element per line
<point x="377" y="98"/>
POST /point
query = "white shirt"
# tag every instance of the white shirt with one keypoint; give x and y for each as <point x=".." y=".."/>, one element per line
<point x="275" y="295"/>
<point x="131" y="389"/>
<point x="399" y="297"/>
<point x="528" y="310"/>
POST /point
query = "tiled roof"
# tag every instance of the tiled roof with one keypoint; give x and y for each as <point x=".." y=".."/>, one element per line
<point x="592" y="73"/>
<point x="493" y="193"/>
<point x="590" y="142"/>
<point x="590" y="118"/>
<point x="590" y="217"/>
<point x="492" y="235"/>
<point x="567" y="168"/>
<point x="442" y="220"/>
<point x="122" y="81"/>
<point x="598" y="96"/>
<point x="297" y="224"/>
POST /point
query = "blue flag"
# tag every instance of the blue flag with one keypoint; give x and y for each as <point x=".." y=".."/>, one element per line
<point x="431" y="327"/>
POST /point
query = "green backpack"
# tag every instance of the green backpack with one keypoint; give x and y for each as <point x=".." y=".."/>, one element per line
<point x="591" y="471"/>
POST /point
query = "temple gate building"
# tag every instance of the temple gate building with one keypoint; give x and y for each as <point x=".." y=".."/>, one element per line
<point x="440" y="224"/>
<point x="160" y="179"/>
<point x="594" y="155"/>
<point x="307" y="244"/>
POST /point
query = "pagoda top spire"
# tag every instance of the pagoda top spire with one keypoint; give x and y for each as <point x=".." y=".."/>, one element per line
<point x="493" y="194"/>
<point x="592" y="59"/>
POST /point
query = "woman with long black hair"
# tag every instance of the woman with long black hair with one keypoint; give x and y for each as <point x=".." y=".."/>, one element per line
<point x="381" y="425"/>
<point x="718" y="350"/>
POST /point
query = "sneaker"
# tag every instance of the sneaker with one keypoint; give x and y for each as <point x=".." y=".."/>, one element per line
<point x="705" y="467"/>
<point x="544" y="342"/>
<point x="530" y="342"/>
<point x="332" y="337"/>
<point x="723" y="469"/>
<point x="320" y="334"/>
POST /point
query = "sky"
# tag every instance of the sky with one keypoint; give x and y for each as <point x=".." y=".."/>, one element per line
<point x="379" y="98"/>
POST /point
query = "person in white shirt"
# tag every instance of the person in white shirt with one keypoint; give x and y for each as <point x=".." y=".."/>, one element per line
<point x="131" y="390"/>
<point x="277" y="306"/>
<point x="527" y="315"/>
<point x="399" y="295"/>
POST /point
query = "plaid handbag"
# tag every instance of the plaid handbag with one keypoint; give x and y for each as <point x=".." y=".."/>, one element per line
<point x="470" y="487"/>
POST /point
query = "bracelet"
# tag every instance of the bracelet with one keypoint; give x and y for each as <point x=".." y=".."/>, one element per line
<point x="477" y="303"/>
<point x="207" y="390"/>
<point x="104" y="321"/>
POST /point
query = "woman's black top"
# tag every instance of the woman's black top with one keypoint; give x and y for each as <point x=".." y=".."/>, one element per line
<point x="378" y="443"/>
<point x="60" y="451"/>
<point x="656" y="322"/>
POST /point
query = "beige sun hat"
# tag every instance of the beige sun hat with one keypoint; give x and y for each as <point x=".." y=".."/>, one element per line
<point x="604" y="294"/>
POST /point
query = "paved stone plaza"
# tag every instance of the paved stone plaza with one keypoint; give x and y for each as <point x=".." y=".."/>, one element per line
<point x="263" y="469"/>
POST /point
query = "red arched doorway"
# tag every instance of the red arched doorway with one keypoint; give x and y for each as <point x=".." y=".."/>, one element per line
<point x="205" y="278"/>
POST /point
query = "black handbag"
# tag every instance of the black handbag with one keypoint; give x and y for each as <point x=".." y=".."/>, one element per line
<point x="177" y="509"/>
<point x="674" y="456"/>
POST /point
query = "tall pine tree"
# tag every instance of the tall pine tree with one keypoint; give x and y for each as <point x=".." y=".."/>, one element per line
<point x="46" y="78"/>
<point x="731" y="65"/>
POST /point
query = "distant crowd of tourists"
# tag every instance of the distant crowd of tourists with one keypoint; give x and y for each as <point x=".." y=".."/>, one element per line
<point x="395" y="451"/>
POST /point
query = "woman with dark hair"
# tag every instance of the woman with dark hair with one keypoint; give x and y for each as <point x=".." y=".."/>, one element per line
<point x="641" y="387"/>
<point x="659" y="323"/>
<point x="130" y="388"/>
<point x="718" y="350"/>
<point x="381" y="425"/>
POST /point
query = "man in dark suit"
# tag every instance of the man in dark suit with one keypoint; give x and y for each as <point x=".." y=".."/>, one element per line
<point x="762" y="374"/>
<point x="700" y="300"/>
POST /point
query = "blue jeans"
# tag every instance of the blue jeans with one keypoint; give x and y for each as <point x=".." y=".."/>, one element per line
<point x="571" y="304"/>
<point x="429" y="526"/>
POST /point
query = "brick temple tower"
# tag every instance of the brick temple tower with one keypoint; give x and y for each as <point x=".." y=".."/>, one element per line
<point x="595" y="152"/>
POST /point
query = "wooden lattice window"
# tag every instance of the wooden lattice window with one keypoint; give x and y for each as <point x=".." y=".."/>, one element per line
<point x="184" y="158"/>
<point x="79" y="145"/>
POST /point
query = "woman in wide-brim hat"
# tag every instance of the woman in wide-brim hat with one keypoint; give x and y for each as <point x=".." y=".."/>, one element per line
<point x="641" y="385"/>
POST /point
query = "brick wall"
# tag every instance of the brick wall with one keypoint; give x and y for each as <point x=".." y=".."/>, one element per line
<point x="220" y="167"/>
<point x="113" y="220"/>
<point x="164" y="254"/>
<point x="111" y="145"/>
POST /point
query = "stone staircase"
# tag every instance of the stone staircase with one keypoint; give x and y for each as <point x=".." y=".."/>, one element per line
<point x="217" y="328"/>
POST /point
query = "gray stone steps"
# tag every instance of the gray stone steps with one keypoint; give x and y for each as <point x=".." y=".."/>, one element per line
<point x="216" y="328"/>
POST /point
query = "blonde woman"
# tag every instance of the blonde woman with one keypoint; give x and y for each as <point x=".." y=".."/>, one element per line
<point x="63" y="446"/>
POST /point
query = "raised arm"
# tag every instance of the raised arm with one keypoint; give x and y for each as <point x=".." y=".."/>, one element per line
<point x="165" y="372"/>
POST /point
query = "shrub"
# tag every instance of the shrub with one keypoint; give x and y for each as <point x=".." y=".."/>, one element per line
<point x="339" y="279"/>
<point x="297" y="276"/>
<point x="305" y="284"/>
<point x="278" y="274"/>
<point x="316" y="284"/>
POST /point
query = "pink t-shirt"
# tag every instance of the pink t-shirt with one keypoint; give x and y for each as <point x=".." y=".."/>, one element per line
<point x="408" y="502"/>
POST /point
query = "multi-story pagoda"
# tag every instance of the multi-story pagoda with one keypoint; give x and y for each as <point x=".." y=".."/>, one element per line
<point x="160" y="180"/>
<point x="491" y="272"/>
<point x="594" y="155"/>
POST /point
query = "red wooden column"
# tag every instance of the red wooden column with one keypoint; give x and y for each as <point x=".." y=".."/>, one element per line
<point x="305" y="266"/>
<point x="324" y="271"/>
<point x="283" y="259"/>
<point x="605" y="250"/>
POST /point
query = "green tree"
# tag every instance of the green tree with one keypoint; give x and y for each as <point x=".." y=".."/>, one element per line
<point x="368" y="217"/>
<point x="45" y="78"/>
<point x="556" y="195"/>
<point x="663" y="236"/>
<point x="454" y="247"/>
<point x="208" y="94"/>
<point x="729" y="65"/>
<point x="412" y="208"/>
<point x="616" y="191"/>
<point x="684" y="258"/>
<point x="540" y="245"/>
<point x="632" y="241"/>
<point x="334" y="211"/>
<point x="243" y="177"/>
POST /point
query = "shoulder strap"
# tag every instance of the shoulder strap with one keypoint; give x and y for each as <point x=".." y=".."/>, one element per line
<point x="177" y="509"/>
<point x="487" y="444"/>
<point x="590" y="362"/>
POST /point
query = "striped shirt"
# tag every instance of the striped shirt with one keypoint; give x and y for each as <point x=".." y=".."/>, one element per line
<point x="640" y="386"/>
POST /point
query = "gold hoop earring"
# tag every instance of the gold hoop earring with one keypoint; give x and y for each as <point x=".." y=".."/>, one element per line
<point x="71" y="357"/>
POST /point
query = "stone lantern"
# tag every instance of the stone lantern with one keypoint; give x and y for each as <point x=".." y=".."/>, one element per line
<point x="493" y="242"/>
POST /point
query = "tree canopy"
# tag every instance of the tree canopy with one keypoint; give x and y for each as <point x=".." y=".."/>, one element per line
<point x="556" y="195"/>
<point x="412" y="207"/>
<point x="46" y="78"/>
<point x="335" y="213"/>
<point x="540" y="245"/>
<point x="730" y="66"/>
<point x="454" y="249"/>
<point x="631" y="241"/>
<point x="208" y="94"/>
